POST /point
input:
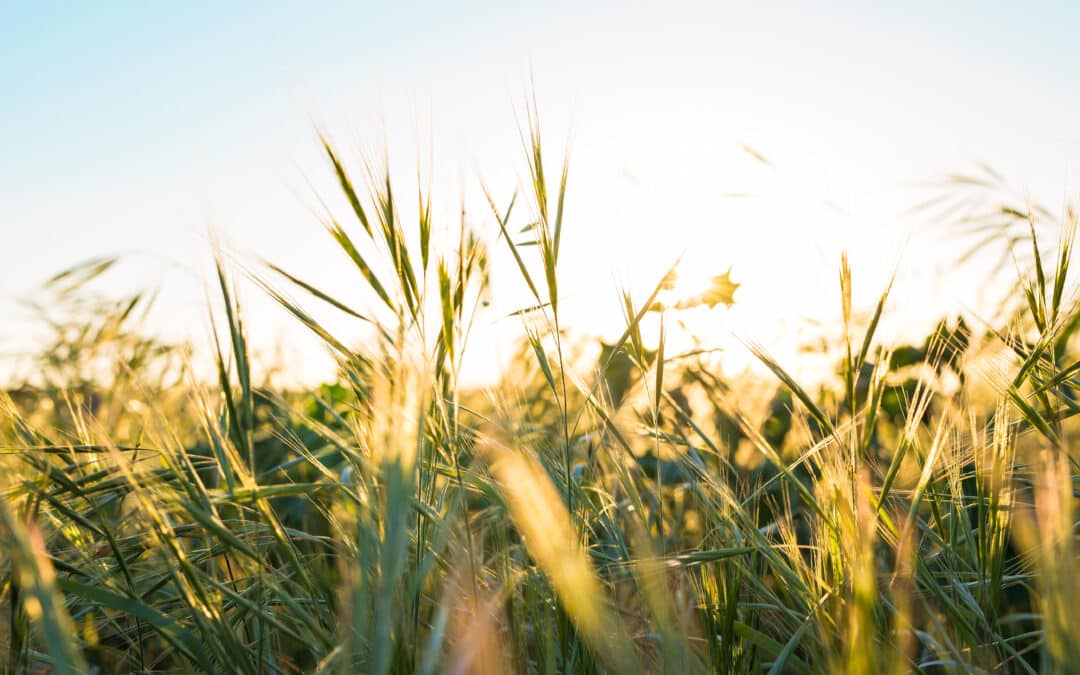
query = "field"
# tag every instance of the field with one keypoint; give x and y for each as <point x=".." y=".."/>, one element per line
<point x="605" y="507"/>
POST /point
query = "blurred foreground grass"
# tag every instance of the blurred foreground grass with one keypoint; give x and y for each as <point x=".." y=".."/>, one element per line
<point x="636" y="511"/>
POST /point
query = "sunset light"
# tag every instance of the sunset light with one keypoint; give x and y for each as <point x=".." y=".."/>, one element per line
<point x="585" y="337"/>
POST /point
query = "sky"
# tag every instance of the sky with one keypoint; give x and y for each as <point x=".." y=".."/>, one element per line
<point x="140" y="128"/>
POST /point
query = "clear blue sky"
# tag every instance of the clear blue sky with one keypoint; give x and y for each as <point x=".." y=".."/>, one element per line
<point x="135" y="127"/>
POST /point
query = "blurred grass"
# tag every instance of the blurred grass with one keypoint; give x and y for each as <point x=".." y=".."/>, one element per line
<point x="635" y="512"/>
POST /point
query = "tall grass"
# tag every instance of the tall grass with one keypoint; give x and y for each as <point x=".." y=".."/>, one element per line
<point x="636" y="513"/>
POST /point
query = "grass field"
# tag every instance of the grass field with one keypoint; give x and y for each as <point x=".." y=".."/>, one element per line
<point x="609" y="507"/>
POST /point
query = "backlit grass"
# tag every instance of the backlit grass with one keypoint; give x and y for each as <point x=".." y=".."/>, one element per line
<point x="635" y="512"/>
